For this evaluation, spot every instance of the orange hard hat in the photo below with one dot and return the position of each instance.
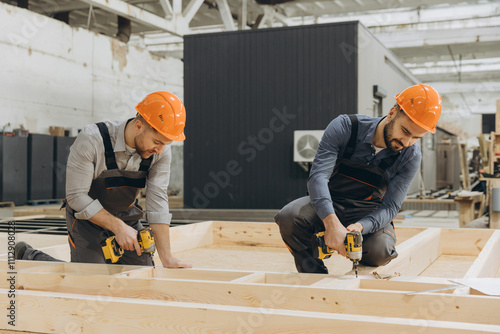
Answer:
(422, 104)
(165, 112)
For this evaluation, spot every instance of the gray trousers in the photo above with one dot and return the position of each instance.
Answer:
(84, 242)
(298, 222)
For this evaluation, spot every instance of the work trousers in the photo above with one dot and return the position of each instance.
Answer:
(85, 240)
(298, 222)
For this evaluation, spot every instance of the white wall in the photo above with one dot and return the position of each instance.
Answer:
(53, 74)
(377, 65)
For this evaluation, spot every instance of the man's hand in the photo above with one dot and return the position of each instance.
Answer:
(335, 234)
(126, 237)
(355, 227)
(173, 262)
(162, 241)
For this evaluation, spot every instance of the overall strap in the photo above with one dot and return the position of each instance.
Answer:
(349, 150)
(145, 163)
(108, 146)
(388, 161)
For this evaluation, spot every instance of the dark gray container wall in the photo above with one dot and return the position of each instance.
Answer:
(14, 169)
(245, 93)
(40, 159)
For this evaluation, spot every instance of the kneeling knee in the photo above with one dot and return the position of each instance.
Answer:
(378, 258)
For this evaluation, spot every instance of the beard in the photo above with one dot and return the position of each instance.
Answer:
(139, 148)
(390, 142)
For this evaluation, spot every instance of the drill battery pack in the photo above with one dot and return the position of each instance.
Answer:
(320, 249)
(111, 250)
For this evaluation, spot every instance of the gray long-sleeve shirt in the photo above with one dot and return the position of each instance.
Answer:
(86, 162)
(332, 146)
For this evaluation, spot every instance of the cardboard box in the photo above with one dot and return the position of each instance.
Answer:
(56, 131)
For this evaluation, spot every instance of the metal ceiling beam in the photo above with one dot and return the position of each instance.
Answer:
(396, 18)
(192, 7)
(225, 13)
(135, 14)
(167, 8)
(405, 39)
(467, 51)
(310, 7)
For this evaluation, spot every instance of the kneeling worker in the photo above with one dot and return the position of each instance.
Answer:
(359, 179)
(109, 163)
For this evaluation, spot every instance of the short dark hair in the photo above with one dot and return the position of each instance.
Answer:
(138, 117)
(398, 108)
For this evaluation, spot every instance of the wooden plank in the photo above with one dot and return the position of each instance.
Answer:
(55, 312)
(405, 233)
(467, 242)
(247, 234)
(256, 277)
(190, 274)
(415, 254)
(449, 266)
(467, 207)
(362, 302)
(191, 236)
(488, 262)
(336, 283)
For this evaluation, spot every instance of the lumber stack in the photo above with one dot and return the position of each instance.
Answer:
(234, 289)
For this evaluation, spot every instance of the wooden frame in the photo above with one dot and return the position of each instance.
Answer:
(97, 298)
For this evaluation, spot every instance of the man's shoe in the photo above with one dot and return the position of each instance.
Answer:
(20, 249)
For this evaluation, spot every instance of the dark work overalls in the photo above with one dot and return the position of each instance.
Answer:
(116, 190)
(356, 190)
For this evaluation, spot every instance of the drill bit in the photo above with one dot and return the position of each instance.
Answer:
(356, 268)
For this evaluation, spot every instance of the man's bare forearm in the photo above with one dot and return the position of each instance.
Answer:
(106, 220)
(335, 233)
(126, 236)
(161, 234)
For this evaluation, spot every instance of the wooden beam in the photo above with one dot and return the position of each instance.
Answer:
(361, 302)
(55, 312)
(488, 261)
(247, 234)
(467, 207)
(191, 236)
(468, 242)
(415, 254)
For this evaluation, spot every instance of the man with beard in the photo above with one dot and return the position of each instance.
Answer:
(359, 179)
(107, 166)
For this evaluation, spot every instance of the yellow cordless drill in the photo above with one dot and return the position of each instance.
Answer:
(113, 252)
(353, 246)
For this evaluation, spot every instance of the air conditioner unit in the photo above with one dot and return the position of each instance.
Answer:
(305, 144)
